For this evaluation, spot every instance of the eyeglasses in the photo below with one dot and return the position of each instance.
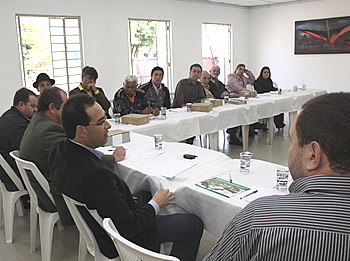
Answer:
(101, 123)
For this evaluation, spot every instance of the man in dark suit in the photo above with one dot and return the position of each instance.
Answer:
(78, 172)
(217, 88)
(44, 129)
(13, 123)
(88, 86)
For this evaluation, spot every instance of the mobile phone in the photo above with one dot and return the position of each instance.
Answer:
(190, 156)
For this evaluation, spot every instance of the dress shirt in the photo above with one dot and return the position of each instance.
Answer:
(310, 223)
(188, 92)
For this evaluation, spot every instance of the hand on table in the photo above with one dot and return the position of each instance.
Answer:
(164, 197)
(119, 153)
(156, 112)
(147, 110)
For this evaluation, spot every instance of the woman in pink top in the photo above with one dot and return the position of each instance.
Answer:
(237, 81)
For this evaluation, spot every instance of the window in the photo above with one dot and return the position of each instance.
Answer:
(51, 45)
(150, 47)
(216, 48)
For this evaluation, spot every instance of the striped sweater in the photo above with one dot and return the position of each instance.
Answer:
(310, 223)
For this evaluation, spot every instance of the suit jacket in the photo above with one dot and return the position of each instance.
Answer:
(40, 134)
(81, 175)
(216, 87)
(100, 98)
(37, 140)
(13, 123)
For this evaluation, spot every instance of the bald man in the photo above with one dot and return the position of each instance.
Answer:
(205, 76)
(217, 88)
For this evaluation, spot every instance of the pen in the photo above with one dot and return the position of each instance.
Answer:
(251, 193)
(230, 177)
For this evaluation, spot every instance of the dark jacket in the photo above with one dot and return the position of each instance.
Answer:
(151, 98)
(100, 98)
(35, 146)
(123, 105)
(81, 175)
(262, 85)
(13, 123)
(216, 87)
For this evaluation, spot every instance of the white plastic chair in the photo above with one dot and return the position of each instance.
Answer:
(47, 220)
(129, 251)
(10, 199)
(87, 241)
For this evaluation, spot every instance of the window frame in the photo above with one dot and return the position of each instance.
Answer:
(64, 18)
(169, 68)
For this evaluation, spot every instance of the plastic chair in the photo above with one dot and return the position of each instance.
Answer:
(10, 199)
(47, 220)
(129, 251)
(87, 241)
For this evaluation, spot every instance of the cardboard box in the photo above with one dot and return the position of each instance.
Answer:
(203, 107)
(116, 137)
(135, 119)
(218, 102)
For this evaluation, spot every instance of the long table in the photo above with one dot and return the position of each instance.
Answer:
(181, 125)
(215, 210)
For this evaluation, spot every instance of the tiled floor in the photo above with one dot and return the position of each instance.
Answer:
(65, 244)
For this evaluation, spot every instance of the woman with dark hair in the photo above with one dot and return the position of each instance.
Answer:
(264, 84)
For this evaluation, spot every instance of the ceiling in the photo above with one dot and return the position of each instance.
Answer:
(248, 3)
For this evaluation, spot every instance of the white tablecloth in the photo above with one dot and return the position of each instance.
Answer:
(181, 125)
(215, 210)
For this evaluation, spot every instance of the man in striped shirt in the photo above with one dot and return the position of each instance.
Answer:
(312, 222)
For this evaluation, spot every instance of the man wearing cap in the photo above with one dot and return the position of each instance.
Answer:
(42, 82)
(13, 123)
(88, 86)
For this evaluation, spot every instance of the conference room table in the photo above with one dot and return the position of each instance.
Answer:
(180, 124)
(146, 168)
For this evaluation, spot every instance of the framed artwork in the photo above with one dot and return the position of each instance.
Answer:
(322, 36)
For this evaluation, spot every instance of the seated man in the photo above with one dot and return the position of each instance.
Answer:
(95, 185)
(205, 83)
(13, 123)
(128, 99)
(42, 82)
(88, 86)
(43, 130)
(189, 90)
(156, 94)
(217, 88)
(312, 222)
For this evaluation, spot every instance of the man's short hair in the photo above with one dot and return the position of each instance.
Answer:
(50, 95)
(130, 78)
(325, 119)
(157, 68)
(74, 113)
(196, 65)
(22, 95)
(90, 71)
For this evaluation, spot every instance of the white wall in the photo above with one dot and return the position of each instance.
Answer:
(105, 35)
(271, 42)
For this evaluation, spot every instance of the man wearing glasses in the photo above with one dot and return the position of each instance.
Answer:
(100, 188)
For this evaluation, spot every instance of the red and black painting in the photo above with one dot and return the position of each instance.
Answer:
(323, 36)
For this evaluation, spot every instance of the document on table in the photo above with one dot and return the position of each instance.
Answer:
(171, 168)
(142, 153)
